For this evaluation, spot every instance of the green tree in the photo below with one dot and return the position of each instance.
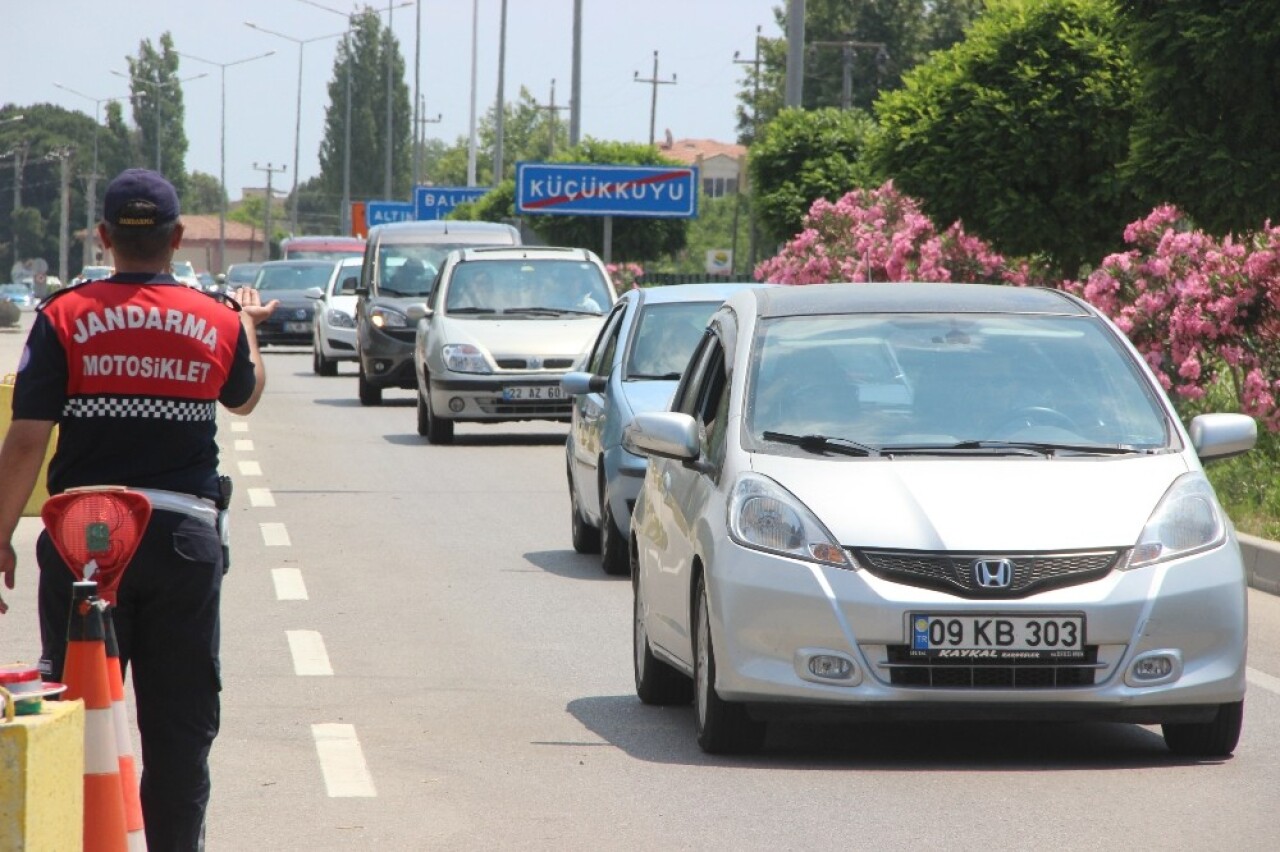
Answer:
(365, 53)
(713, 230)
(204, 194)
(526, 135)
(1207, 132)
(804, 155)
(1019, 130)
(892, 36)
(158, 109)
(638, 239)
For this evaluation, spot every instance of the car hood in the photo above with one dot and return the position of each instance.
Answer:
(289, 298)
(971, 504)
(523, 337)
(648, 395)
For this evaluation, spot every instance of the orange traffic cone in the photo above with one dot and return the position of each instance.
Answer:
(85, 673)
(124, 747)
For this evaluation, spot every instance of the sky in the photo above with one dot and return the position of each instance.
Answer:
(79, 43)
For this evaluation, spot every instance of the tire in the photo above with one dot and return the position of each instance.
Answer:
(724, 727)
(586, 538)
(436, 429)
(322, 365)
(1217, 738)
(369, 394)
(614, 557)
(656, 682)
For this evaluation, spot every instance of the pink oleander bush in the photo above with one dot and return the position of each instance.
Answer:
(882, 235)
(1204, 312)
(625, 276)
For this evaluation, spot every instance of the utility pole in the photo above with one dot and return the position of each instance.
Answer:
(500, 109)
(471, 134)
(64, 223)
(795, 54)
(655, 82)
(420, 132)
(19, 158)
(849, 53)
(575, 79)
(417, 97)
(755, 63)
(266, 235)
(552, 109)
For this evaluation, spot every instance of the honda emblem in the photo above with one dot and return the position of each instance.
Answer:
(993, 573)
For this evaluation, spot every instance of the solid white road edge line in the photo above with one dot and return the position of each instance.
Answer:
(309, 656)
(345, 773)
(289, 585)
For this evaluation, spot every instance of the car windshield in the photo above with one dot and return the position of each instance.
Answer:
(409, 270)
(93, 273)
(665, 337)
(324, 253)
(963, 383)
(527, 287)
(181, 267)
(242, 273)
(293, 276)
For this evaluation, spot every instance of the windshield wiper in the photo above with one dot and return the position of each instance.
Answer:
(553, 312)
(1028, 448)
(470, 310)
(823, 444)
(657, 377)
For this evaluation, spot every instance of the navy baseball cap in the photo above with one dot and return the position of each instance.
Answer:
(140, 197)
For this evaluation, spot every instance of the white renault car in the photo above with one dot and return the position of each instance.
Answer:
(915, 501)
(333, 331)
(499, 329)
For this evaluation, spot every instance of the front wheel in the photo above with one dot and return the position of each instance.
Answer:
(1216, 738)
(369, 394)
(724, 727)
(320, 364)
(436, 429)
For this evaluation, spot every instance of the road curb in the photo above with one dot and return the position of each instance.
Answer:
(1261, 563)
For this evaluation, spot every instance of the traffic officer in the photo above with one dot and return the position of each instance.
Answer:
(131, 369)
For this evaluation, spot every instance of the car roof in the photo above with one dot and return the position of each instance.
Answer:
(523, 253)
(711, 291)
(313, 239)
(913, 297)
(300, 262)
(432, 230)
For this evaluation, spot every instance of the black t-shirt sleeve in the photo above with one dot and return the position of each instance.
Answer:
(40, 392)
(241, 379)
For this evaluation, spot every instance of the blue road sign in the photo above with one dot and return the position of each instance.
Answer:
(437, 202)
(581, 189)
(382, 212)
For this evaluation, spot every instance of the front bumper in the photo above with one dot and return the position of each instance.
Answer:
(771, 616)
(386, 358)
(479, 398)
(338, 344)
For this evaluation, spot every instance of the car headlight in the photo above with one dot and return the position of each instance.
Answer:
(765, 516)
(465, 358)
(1185, 521)
(340, 319)
(387, 318)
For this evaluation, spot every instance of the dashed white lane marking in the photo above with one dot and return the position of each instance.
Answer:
(260, 497)
(1264, 680)
(309, 656)
(239, 426)
(342, 761)
(289, 585)
(250, 468)
(244, 445)
(275, 535)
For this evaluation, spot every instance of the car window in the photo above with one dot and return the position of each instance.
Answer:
(293, 277)
(713, 403)
(409, 269)
(665, 337)
(600, 361)
(528, 287)
(937, 379)
(686, 396)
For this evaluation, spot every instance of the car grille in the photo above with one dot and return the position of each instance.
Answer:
(534, 364)
(553, 409)
(908, 670)
(954, 572)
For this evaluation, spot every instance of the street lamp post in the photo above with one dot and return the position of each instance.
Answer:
(91, 200)
(157, 84)
(297, 130)
(222, 149)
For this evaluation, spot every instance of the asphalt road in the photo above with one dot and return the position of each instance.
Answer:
(414, 658)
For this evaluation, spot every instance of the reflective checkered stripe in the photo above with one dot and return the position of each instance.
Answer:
(146, 408)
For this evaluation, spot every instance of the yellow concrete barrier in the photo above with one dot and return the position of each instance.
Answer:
(42, 779)
(41, 492)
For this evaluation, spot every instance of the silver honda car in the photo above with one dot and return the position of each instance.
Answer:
(933, 501)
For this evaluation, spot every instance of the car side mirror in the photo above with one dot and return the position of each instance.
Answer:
(1221, 436)
(417, 311)
(313, 293)
(578, 382)
(362, 292)
(667, 434)
(350, 284)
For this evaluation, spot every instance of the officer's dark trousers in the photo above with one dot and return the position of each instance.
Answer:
(166, 621)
